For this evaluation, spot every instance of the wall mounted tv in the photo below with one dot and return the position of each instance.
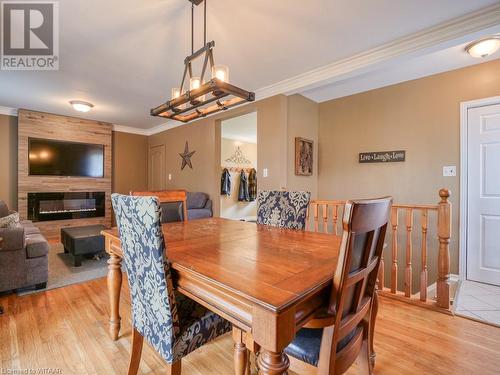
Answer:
(59, 158)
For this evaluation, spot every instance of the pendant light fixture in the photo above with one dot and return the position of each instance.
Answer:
(202, 98)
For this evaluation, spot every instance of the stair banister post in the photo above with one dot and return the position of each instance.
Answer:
(444, 234)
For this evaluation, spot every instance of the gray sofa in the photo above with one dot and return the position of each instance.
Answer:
(199, 205)
(23, 255)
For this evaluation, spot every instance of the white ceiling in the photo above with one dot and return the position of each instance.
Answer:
(242, 128)
(125, 55)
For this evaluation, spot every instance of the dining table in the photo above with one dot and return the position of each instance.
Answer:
(268, 282)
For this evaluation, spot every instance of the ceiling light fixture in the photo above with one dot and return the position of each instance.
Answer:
(188, 105)
(81, 106)
(484, 47)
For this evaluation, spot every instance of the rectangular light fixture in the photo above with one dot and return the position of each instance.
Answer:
(221, 95)
(202, 98)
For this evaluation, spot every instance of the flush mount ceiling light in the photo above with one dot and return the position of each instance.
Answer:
(202, 98)
(484, 46)
(81, 106)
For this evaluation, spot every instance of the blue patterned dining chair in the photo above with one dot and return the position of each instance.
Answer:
(342, 330)
(283, 209)
(172, 324)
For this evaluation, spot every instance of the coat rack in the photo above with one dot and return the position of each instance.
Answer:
(238, 169)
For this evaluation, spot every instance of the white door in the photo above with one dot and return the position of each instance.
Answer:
(483, 194)
(157, 172)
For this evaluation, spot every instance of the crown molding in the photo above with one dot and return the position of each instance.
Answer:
(8, 111)
(444, 33)
(130, 129)
(170, 124)
(427, 39)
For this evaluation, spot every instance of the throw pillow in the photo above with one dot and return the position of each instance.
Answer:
(9, 221)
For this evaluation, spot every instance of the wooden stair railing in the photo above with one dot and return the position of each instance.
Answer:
(326, 216)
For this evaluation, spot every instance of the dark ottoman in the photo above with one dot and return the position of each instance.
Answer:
(81, 241)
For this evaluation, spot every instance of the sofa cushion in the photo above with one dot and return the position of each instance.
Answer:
(4, 210)
(196, 200)
(26, 223)
(30, 229)
(12, 238)
(9, 221)
(36, 246)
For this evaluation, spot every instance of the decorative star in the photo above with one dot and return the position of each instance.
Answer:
(186, 157)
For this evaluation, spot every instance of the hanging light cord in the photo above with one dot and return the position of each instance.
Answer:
(205, 23)
(192, 27)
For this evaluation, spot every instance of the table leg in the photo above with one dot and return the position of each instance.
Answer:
(373, 318)
(241, 353)
(114, 288)
(273, 363)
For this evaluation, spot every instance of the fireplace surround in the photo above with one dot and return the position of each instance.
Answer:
(65, 205)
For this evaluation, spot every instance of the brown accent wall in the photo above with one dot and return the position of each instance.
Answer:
(45, 125)
(8, 160)
(130, 162)
(421, 117)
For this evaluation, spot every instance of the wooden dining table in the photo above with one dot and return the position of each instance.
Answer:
(267, 282)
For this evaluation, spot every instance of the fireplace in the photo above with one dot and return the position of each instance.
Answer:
(64, 206)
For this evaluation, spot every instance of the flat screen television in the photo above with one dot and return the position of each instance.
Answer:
(60, 158)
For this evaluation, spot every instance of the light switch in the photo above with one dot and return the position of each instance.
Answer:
(170, 177)
(264, 172)
(449, 171)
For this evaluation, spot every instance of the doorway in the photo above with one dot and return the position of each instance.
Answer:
(157, 180)
(479, 293)
(239, 167)
(482, 193)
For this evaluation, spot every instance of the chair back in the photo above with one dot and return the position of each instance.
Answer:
(283, 209)
(364, 229)
(168, 198)
(154, 312)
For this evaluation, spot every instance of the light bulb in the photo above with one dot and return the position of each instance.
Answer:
(220, 72)
(175, 93)
(194, 83)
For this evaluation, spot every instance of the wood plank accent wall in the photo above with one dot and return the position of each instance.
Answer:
(48, 126)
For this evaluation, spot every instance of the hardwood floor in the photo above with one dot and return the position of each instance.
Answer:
(66, 330)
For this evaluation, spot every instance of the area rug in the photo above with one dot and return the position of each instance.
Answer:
(63, 273)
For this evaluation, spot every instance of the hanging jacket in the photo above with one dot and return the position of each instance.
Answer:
(243, 192)
(252, 184)
(225, 183)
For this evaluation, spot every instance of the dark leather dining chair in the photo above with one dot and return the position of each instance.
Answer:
(172, 324)
(173, 204)
(283, 209)
(340, 333)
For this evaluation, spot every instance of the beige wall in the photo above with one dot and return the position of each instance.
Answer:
(130, 161)
(303, 118)
(8, 160)
(421, 117)
(230, 207)
(201, 139)
(204, 137)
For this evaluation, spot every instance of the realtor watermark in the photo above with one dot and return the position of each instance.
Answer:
(30, 35)
(37, 371)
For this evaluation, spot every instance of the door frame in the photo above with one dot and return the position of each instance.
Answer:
(464, 108)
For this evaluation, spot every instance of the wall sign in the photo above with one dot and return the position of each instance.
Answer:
(382, 156)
